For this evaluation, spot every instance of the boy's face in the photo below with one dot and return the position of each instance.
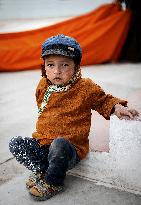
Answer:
(59, 69)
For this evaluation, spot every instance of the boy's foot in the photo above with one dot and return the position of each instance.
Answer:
(33, 180)
(43, 191)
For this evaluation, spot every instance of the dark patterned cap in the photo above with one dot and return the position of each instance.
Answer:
(62, 45)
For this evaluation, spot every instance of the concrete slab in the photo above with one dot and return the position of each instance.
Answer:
(78, 192)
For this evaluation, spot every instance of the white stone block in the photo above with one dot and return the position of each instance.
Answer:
(125, 151)
(121, 167)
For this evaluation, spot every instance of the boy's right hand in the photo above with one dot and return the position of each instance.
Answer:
(125, 113)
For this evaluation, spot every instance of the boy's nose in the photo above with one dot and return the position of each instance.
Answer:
(57, 70)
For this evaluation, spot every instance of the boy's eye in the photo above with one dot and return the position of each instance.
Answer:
(65, 65)
(50, 65)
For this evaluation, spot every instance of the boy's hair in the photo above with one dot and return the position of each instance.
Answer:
(61, 45)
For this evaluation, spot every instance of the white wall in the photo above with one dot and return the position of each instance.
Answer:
(20, 9)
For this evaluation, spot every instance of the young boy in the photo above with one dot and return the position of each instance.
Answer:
(64, 100)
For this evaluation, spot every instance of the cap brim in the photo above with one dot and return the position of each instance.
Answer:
(57, 52)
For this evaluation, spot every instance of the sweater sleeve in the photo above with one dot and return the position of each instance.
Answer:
(104, 103)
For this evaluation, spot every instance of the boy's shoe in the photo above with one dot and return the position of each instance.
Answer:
(34, 179)
(43, 191)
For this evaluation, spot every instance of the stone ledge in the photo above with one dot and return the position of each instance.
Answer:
(120, 168)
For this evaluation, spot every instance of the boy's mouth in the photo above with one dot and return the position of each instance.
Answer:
(57, 78)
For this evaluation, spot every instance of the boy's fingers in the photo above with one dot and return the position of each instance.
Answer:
(130, 115)
(127, 114)
(125, 118)
(134, 112)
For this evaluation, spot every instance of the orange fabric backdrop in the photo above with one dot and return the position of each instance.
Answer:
(101, 34)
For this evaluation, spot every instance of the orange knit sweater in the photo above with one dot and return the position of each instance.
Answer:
(68, 113)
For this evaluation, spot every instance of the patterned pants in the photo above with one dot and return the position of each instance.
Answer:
(53, 160)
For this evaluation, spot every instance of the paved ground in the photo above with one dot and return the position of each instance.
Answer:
(78, 192)
(18, 116)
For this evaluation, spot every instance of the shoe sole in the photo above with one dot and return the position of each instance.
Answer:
(44, 198)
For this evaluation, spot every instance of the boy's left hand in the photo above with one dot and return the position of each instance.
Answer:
(125, 113)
